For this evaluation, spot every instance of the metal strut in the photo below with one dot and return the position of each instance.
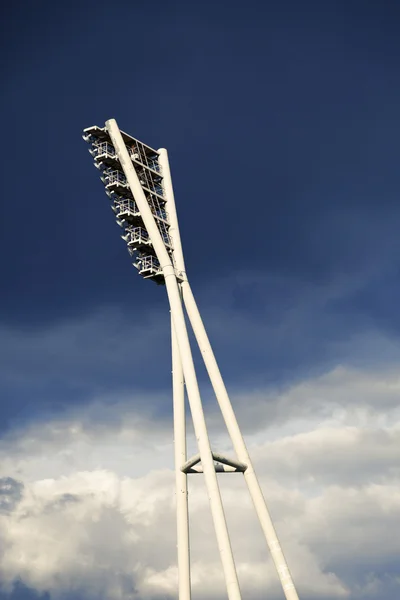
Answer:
(234, 466)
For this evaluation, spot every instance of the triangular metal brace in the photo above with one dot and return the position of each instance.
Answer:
(222, 464)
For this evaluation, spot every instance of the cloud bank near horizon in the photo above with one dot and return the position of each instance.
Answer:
(87, 508)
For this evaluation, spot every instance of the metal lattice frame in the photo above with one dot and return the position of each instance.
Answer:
(138, 182)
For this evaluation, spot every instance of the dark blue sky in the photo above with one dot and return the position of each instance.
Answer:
(281, 121)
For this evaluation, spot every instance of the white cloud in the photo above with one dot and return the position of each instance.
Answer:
(96, 516)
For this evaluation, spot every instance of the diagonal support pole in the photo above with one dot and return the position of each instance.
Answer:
(238, 442)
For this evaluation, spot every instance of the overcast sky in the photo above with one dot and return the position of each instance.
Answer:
(281, 122)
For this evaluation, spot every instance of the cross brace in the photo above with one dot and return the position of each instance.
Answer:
(228, 465)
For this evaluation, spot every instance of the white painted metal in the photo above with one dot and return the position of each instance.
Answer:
(229, 462)
(218, 469)
(171, 210)
(222, 395)
(199, 423)
(238, 442)
(182, 513)
(191, 462)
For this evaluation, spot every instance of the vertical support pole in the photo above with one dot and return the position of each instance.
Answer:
(238, 442)
(174, 232)
(199, 423)
(182, 513)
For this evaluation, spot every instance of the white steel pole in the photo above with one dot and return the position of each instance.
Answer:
(171, 210)
(238, 442)
(182, 337)
(222, 395)
(182, 514)
(179, 406)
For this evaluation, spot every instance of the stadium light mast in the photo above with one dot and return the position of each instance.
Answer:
(138, 182)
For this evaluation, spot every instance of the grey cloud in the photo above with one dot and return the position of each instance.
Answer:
(357, 526)
(352, 394)
(19, 591)
(11, 492)
(346, 456)
(293, 327)
(291, 324)
(82, 348)
(112, 531)
(293, 330)
(58, 503)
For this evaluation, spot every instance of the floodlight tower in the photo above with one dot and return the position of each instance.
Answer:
(138, 182)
